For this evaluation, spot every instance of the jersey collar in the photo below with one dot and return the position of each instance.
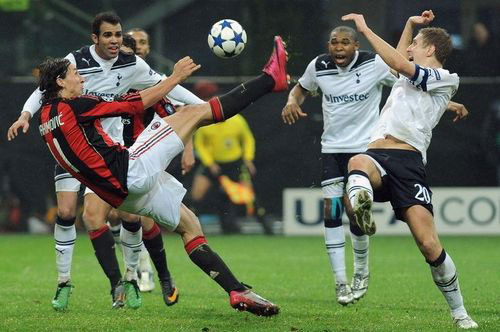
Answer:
(104, 63)
(346, 69)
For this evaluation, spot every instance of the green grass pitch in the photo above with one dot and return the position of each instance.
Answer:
(291, 271)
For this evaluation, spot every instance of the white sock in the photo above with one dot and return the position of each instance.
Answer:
(357, 182)
(144, 262)
(115, 231)
(446, 279)
(335, 248)
(360, 246)
(131, 247)
(65, 237)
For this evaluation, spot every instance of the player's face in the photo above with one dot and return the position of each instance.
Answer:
(418, 50)
(342, 48)
(72, 84)
(109, 41)
(141, 43)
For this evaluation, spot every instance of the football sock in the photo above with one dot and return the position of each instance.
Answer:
(207, 260)
(445, 277)
(144, 259)
(154, 243)
(104, 247)
(115, 230)
(236, 100)
(131, 238)
(357, 181)
(360, 244)
(335, 239)
(65, 237)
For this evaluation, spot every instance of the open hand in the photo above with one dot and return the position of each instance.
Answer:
(459, 109)
(292, 113)
(22, 123)
(358, 19)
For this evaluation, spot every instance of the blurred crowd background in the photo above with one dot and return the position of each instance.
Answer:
(463, 154)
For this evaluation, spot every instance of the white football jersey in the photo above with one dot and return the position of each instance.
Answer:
(351, 99)
(415, 106)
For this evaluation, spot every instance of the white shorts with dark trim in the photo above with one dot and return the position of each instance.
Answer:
(152, 191)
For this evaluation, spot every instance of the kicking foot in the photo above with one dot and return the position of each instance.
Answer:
(169, 291)
(359, 285)
(247, 300)
(145, 281)
(465, 323)
(276, 65)
(363, 216)
(132, 294)
(344, 294)
(60, 301)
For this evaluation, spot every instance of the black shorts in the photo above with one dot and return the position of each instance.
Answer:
(235, 170)
(404, 181)
(334, 166)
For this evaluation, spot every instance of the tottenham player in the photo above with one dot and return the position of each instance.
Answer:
(351, 82)
(393, 167)
(108, 73)
(134, 180)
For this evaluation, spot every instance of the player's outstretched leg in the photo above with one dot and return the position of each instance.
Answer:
(360, 195)
(154, 244)
(240, 295)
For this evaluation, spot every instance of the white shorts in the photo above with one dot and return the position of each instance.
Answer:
(152, 191)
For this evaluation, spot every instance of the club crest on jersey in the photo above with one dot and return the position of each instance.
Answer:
(155, 125)
(118, 77)
(357, 77)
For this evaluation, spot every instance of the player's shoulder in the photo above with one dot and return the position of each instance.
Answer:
(84, 59)
(324, 62)
(125, 60)
(84, 102)
(364, 58)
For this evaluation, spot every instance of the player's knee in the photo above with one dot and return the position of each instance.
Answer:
(358, 162)
(189, 226)
(66, 212)
(93, 220)
(430, 248)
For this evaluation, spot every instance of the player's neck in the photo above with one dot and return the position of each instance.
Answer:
(430, 62)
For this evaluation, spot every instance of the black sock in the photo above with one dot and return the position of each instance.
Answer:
(154, 243)
(236, 100)
(104, 247)
(207, 260)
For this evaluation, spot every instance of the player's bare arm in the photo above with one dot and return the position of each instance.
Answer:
(22, 122)
(460, 110)
(182, 70)
(188, 160)
(407, 35)
(292, 111)
(388, 53)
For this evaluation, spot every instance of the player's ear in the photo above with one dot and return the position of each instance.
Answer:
(356, 44)
(430, 50)
(60, 82)
(95, 38)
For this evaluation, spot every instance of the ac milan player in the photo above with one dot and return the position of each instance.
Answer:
(133, 180)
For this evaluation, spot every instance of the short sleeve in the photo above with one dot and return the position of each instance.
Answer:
(308, 79)
(144, 76)
(434, 80)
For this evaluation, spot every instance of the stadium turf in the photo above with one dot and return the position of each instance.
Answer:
(291, 271)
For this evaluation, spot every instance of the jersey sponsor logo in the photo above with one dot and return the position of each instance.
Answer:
(50, 125)
(104, 95)
(126, 121)
(346, 98)
(155, 125)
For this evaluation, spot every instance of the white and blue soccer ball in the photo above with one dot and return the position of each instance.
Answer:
(227, 38)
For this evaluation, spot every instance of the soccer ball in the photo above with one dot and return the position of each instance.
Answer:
(227, 38)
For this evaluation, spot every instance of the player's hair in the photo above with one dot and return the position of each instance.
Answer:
(346, 29)
(108, 17)
(440, 39)
(137, 30)
(50, 70)
(129, 42)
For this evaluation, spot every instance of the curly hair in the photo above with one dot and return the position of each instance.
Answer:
(50, 70)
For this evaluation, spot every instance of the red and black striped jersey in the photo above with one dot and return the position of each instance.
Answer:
(133, 125)
(73, 132)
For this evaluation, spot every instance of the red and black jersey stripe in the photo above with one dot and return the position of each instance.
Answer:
(133, 125)
(73, 132)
